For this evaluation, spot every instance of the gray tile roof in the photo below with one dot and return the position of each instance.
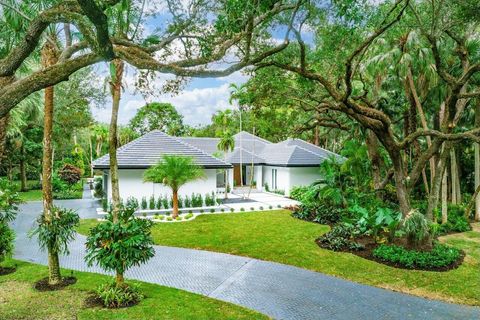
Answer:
(149, 149)
(208, 145)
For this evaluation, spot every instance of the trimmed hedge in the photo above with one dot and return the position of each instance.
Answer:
(440, 256)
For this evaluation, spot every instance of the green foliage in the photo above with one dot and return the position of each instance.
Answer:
(417, 229)
(98, 188)
(7, 238)
(197, 200)
(9, 201)
(456, 220)
(151, 202)
(188, 216)
(187, 202)
(298, 192)
(210, 199)
(373, 223)
(174, 171)
(144, 203)
(113, 296)
(118, 246)
(56, 230)
(158, 203)
(340, 238)
(165, 203)
(157, 116)
(440, 256)
(67, 194)
(132, 202)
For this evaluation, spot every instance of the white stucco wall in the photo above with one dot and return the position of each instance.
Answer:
(283, 177)
(287, 178)
(303, 176)
(132, 185)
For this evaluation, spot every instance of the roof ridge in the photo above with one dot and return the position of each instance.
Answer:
(313, 145)
(259, 138)
(195, 148)
(318, 155)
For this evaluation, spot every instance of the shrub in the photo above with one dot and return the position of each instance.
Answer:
(161, 217)
(202, 211)
(7, 238)
(279, 206)
(144, 203)
(9, 201)
(158, 205)
(98, 188)
(210, 199)
(190, 211)
(212, 210)
(67, 194)
(113, 296)
(417, 229)
(180, 202)
(169, 219)
(298, 192)
(260, 208)
(58, 184)
(440, 256)
(321, 213)
(222, 210)
(70, 174)
(151, 202)
(56, 231)
(242, 209)
(197, 200)
(252, 208)
(178, 218)
(232, 210)
(267, 188)
(105, 205)
(456, 221)
(270, 207)
(129, 243)
(187, 202)
(132, 203)
(188, 216)
(340, 238)
(165, 203)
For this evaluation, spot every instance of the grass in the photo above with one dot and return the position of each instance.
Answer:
(276, 236)
(31, 195)
(18, 300)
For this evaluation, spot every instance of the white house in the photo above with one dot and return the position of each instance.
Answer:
(276, 166)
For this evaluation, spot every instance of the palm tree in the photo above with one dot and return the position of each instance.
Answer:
(227, 143)
(174, 171)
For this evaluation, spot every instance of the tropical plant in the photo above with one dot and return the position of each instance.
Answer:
(54, 232)
(174, 171)
(417, 229)
(121, 243)
(144, 203)
(114, 296)
(151, 202)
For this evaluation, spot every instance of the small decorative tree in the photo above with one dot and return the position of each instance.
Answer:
(9, 201)
(118, 246)
(54, 233)
(174, 171)
(70, 174)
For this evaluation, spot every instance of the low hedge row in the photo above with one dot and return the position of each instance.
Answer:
(440, 256)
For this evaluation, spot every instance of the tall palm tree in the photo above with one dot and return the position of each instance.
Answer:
(174, 171)
(227, 143)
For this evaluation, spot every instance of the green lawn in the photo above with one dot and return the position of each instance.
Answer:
(18, 300)
(276, 236)
(31, 195)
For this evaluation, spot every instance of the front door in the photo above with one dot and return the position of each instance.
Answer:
(236, 175)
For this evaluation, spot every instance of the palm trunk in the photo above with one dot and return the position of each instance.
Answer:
(375, 159)
(119, 279)
(115, 86)
(49, 58)
(175, 203)
(437, 183)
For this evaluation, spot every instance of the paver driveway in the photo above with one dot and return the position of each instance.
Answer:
(280, 291)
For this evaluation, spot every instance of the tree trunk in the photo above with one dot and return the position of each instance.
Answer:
(3, 135)
(453, 176)
(115, 87)
(317, 136)
(49, 58)
(477, 162)
(175, 203)
(375, 159)
(23, 171)
(437, 183)
(445, 196)
(400, 186)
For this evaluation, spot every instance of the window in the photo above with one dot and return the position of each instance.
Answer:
(274, 179)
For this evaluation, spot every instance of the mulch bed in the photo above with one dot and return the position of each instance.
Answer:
(370, 245)
(43, 285)
(93, 301)
(7, 270)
